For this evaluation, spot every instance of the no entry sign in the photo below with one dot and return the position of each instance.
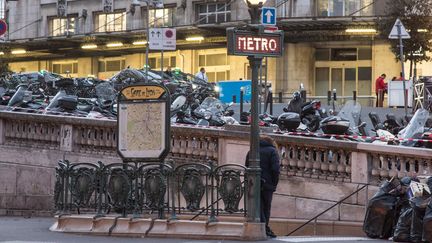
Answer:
(3, 27)
(247, 43)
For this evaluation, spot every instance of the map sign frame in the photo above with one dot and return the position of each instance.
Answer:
(143, 123)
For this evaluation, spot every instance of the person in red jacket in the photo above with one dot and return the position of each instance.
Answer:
(380, 85)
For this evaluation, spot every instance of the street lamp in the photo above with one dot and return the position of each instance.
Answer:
(254, 10)
(254, 170)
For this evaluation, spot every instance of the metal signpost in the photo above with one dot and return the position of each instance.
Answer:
(143, 127)
(254, 43)
(162, 39)
(399, 32)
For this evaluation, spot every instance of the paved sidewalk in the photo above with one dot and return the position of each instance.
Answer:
(35, 230)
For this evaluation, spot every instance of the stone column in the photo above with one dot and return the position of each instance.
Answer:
(359, 168)
(2, 131)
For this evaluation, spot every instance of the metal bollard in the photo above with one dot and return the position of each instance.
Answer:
(280, 97)
(270, 95)
(303, 95)
(329, 97)
(334, 95)
(355, 95)
(241, 101)
(234, 99)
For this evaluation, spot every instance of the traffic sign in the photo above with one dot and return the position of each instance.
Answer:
(247, 43)
(162, 39)
(3, 27)
(268, 16)
(271, 29)
(394, 33)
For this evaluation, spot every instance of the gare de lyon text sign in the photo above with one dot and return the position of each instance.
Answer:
(248, 43)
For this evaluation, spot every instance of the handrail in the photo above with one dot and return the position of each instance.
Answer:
(337, 203)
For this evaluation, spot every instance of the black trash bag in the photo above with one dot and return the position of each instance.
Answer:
(427, 224)
(402, 231)
(382, 211)
(419, 205)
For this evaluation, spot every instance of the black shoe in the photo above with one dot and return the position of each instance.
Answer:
(270, 233)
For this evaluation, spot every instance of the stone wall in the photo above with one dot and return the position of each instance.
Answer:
(311, 179)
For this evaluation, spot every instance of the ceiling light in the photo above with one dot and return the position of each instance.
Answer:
(140, 42)
(89, 46)
(18, 51)
(114, 44)
(195, 38)
(422, 30)
(360, 30)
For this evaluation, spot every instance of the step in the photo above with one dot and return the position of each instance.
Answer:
(283, 227)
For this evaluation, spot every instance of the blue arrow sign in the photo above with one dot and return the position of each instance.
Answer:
(268, 16)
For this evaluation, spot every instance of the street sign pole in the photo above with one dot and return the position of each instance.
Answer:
(401, 55)
(147, 39)
(399, 32)
(252, 41)
(254, 156)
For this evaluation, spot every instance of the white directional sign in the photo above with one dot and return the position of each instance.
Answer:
(162, 39)
(268, 16)
(394, 33)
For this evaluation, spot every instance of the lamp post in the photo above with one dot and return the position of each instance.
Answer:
(254, 170)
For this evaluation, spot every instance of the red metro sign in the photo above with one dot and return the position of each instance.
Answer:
(244, 43)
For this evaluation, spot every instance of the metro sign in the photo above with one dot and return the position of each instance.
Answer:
(247, 43)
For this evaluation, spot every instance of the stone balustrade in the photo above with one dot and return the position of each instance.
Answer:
(315, 172)
(300, 156)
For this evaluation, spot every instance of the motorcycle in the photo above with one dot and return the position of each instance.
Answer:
(310, 112)
(347, 122)
(211, 110)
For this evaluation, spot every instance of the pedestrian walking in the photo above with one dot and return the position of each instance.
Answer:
(380, 89)
(202, 74)
(270, 170)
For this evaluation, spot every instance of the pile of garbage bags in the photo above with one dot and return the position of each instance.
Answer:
(401, 210)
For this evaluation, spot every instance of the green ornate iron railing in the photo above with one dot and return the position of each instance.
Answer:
(149, 188)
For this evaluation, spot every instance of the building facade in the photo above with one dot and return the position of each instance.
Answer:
(329, 44)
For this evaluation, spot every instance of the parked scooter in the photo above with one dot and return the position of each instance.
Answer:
(347, 122)
(310, 112)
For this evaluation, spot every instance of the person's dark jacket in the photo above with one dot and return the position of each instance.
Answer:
(270, 166)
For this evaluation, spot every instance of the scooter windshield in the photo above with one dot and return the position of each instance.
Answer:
(416, 125)
(210, 104)
(351, 111)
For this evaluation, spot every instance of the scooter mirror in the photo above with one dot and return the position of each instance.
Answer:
(363, 124)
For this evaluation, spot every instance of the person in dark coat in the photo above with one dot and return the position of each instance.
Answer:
(270, 170)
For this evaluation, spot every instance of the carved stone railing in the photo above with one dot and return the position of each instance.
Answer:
(322, 159)
(314, 158)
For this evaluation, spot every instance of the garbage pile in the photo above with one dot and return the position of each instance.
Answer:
(401, 210)
(49, 93)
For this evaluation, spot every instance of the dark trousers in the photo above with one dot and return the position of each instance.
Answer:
(379, 99)
(266, 200)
